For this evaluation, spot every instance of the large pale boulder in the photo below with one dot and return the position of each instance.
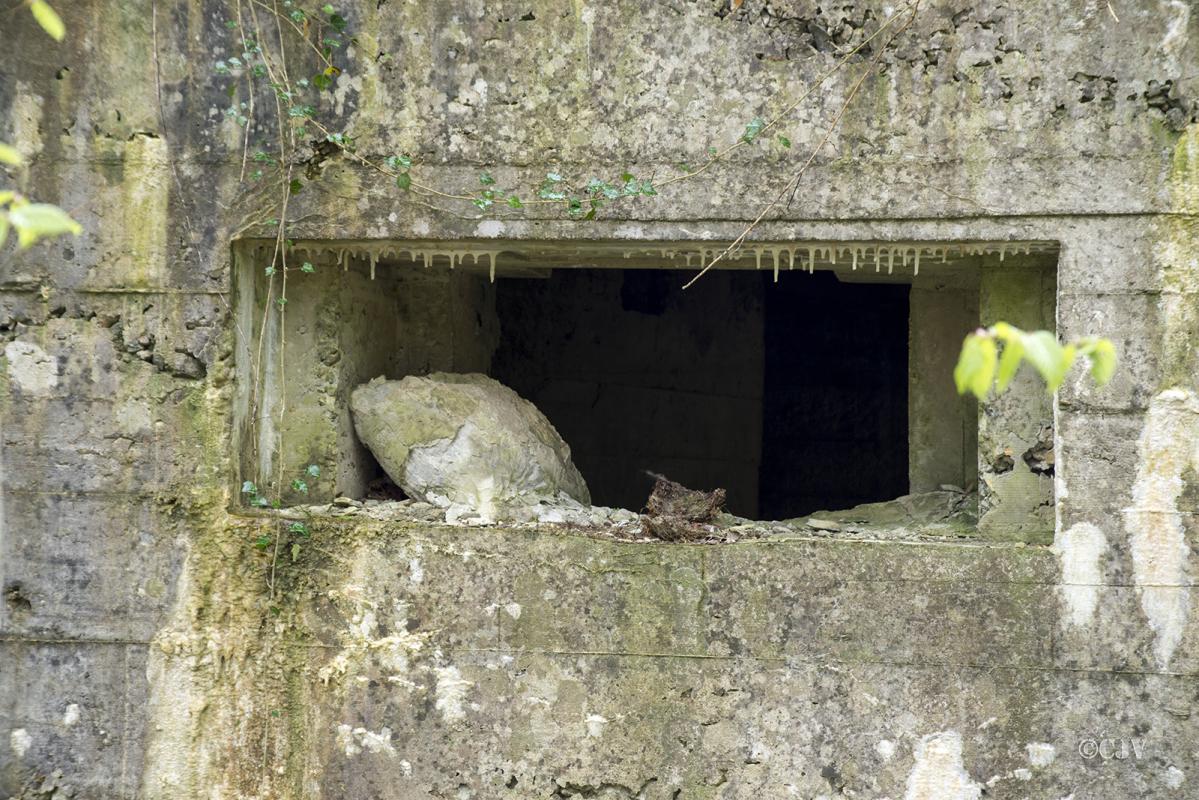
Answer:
(466, 443)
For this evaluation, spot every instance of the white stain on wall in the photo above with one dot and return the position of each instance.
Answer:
(595, 725)
(1080, 551)
(357, 740)
(1041, 754)
(451, 693)
(1169, 443)
(30, 368)
(20, 741)
(939, 773)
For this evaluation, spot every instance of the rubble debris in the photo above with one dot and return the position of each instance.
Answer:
(465, 443)
(675, 513)
(945, 511)
(1039, 457)
(1003, 461)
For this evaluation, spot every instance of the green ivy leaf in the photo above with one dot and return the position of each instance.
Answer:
(314, 470)
(48, 18)
(404, 181)
(784, 141)
(322, 81)
(34, 221)
(249, 488)
(753, 128)
(1101, 354)
(300, 486)
(976, 365)
(262, 542)
(307, 267)
(1053, 361)
(486, 179)
(296, 186)
(1009, 361)
(553, 177)
(269, 271)
(328, 8)
(514, 202)
(9, 155)
(338, 22)
(648, 189)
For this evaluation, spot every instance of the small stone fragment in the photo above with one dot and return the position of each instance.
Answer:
(823, 524)
(346, 502)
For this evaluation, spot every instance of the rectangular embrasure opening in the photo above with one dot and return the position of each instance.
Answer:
(803, 378)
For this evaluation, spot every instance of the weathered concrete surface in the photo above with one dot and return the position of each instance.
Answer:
(131, 594)
(428, 662)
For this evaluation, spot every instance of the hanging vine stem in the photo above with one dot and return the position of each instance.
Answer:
(795, 179)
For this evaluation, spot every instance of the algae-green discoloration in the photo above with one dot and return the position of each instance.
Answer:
(1178, 260)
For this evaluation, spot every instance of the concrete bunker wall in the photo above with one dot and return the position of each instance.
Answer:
(150, 650)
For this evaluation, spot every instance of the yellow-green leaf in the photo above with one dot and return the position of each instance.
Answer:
(1009, 361)
(9, 155)
(1042, 350)
(1102, 355)
(975, 369)
(49, 20)
(36, 220)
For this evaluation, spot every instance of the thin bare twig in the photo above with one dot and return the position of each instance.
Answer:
(794, 181)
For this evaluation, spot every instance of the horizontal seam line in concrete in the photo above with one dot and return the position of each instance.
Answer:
(819, 662)
(11, 638)
(682, 656)
(733, 221)
(79, 492)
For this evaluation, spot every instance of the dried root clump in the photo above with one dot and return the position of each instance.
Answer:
(675, 513)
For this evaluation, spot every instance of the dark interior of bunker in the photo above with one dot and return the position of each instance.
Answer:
(792, 395)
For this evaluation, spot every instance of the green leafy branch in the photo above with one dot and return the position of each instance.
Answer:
(991, 356)
(33, 221)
